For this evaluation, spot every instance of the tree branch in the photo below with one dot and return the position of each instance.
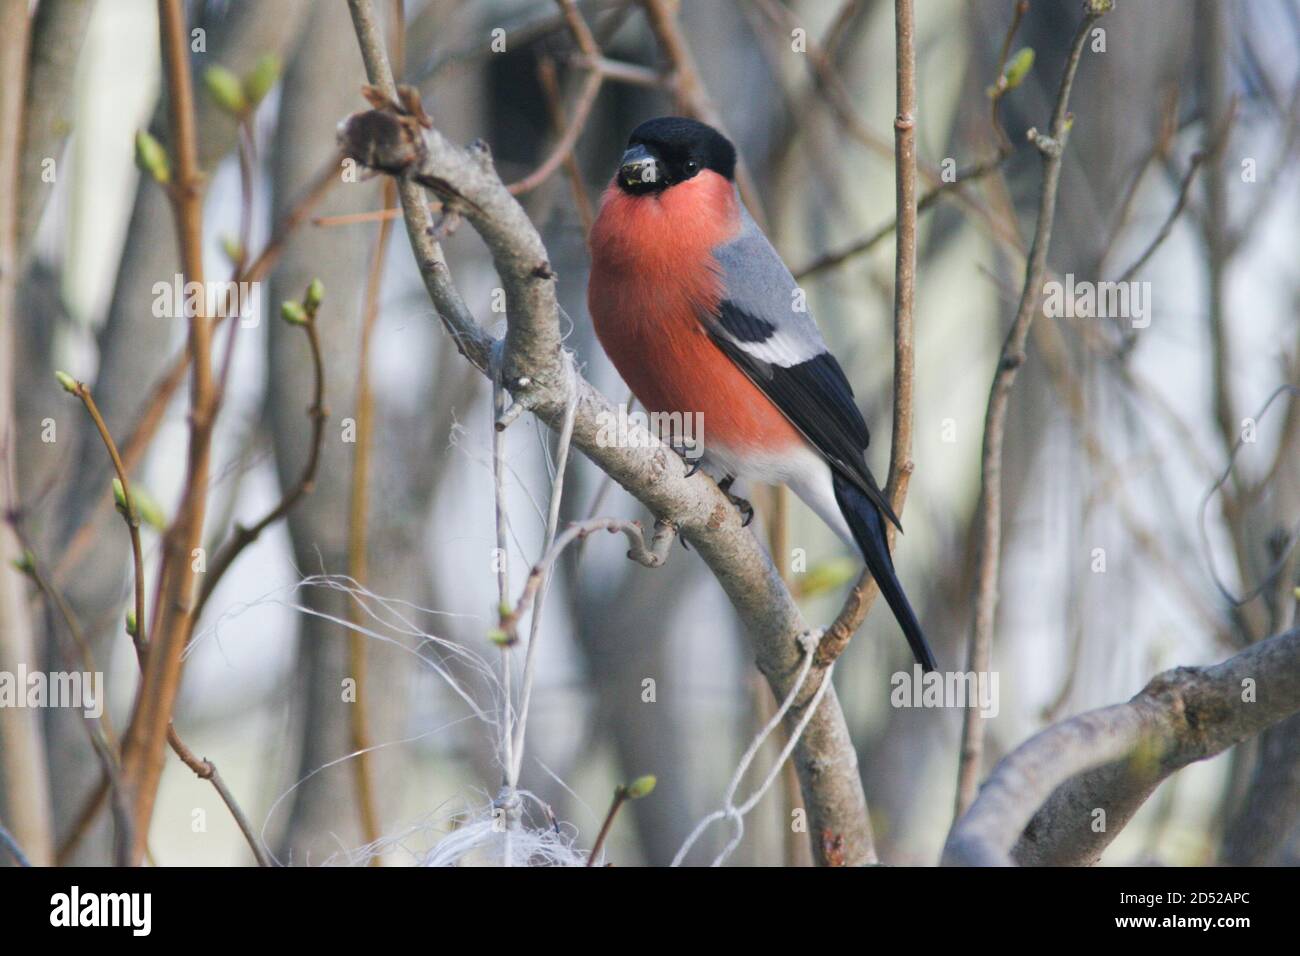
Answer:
(863, 594)
(1051, 147)
(245, 536)
(143, 752)
(58, 32)
(1110, 760)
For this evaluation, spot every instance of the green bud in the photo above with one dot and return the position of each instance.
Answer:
(827, 576)
(147, 507)
(499, 637)
(226, 90)
(293, 312)
(314, 296)
(641, 787)
(68, 382)
(119, 495)
(27, 563)
(233, 249)
(1018, 68)
(261, 78)
(131, 627)
(152, 158)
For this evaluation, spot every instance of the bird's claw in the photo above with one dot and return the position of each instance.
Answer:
(742, 504)
(745, 508)
(692, 461)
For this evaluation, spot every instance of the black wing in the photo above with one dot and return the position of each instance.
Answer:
(813, 394)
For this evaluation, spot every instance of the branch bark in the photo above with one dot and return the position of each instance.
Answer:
(23, 766)
(1040, 806)
(534, 369)
(58, 32)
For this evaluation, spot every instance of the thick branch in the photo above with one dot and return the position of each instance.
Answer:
(1112, 759)
(58, 32)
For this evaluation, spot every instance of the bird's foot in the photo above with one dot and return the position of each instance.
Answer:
(742, 504)
(690, 456)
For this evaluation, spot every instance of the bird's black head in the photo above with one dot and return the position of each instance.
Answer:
(665, 151)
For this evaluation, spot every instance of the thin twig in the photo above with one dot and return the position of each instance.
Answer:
(689, 89)
(150, 418)
(970, 174)
(358, 534)
(650, 554)
(859, 601)
(546, 76)
(142, 761)
(245, 536)
(1280, 560)
(563, 149)
(1051, 148)
(132, 516)
(11, 845)
(830, 260)
(1184, 191)
(102, 738)
(203, 768)
(1000, 87)
(620, 798)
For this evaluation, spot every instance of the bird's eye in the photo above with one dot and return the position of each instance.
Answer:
(691, 166)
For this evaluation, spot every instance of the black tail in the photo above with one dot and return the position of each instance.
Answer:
(868, 527)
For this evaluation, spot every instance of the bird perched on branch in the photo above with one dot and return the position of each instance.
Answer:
(701, 317)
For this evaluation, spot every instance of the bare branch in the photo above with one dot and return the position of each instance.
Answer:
(160, 395)
(1051, 147)
(1110, 760)
(652, 555)
(245, 536)
(142, 759)
(860, 598)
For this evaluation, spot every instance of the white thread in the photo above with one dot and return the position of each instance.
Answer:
(730, 811)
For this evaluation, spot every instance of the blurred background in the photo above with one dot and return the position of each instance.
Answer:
(1121, 558)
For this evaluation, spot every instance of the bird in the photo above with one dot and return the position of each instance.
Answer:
(700, 316)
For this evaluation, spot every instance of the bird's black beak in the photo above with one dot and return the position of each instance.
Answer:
(639, 168)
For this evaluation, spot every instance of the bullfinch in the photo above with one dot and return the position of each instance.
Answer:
(701, 317)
